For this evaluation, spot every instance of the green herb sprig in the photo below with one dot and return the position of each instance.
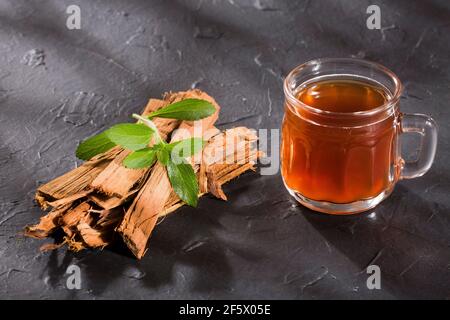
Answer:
(137, 136)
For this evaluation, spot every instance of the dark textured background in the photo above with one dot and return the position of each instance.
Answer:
(59, 86)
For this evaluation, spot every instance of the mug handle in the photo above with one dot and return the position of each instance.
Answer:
(426, 127)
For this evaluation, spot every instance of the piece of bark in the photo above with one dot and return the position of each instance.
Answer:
(76, 180)
(95, 232)
(199, 163)
(109, 219)
(230, 147)
(214, 187)
(107, 201)
(202, 178)
(237, 172)
(92, 237)
(113, 201)
(235, 146)
(72, 217)
(47, 224)
(70, 199)
(141, 217)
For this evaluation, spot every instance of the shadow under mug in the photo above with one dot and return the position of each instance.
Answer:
(348, 162)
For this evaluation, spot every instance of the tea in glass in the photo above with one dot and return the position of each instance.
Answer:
(340, 149)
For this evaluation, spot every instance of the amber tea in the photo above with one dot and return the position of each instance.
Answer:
(341, 135)
(338, 164)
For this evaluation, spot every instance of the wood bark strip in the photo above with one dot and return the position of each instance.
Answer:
(47, 223)
(98, 233)
(142, 215)
(92, 237)
(74, 181)
(214, 187)
(108, 219)
(70, 199)
(72, 217)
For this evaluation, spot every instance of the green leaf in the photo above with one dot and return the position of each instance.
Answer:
(184, 182)
(189, 109)
(140, 159)
(185, 148)
(163, 155)
(93, 146)
(130, 136)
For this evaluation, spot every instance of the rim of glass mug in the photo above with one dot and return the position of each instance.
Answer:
(291, 84)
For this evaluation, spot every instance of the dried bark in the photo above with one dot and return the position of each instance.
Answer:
(74, 181)
(72, 217)
(89, 203)
(47, 223)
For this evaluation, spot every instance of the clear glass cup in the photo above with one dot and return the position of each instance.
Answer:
(348, 162)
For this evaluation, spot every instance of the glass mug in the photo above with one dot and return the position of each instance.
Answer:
(341, 162)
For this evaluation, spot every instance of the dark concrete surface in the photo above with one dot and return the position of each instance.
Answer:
(58, 86)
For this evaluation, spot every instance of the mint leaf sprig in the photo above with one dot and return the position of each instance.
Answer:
(137, 136)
